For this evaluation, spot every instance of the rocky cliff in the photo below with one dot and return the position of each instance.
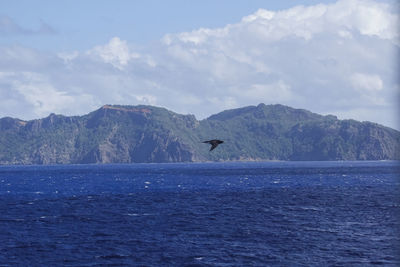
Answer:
(125, 134)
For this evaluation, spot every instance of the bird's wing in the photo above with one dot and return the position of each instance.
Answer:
(214, 145)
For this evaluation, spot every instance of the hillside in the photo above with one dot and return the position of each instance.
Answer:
(125, 134)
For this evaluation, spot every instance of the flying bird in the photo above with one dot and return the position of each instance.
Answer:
(214, 143)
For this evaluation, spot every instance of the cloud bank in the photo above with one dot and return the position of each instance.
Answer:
(339, 58)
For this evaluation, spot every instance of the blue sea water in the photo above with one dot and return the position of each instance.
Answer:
(201, 214)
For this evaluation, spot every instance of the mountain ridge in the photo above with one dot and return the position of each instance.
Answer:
(143, 133)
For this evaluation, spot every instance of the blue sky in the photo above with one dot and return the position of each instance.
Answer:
(83, 24)
(200, 57)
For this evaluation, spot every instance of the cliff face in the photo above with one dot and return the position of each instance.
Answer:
(112, 134)
(125, 134)
(349, 140)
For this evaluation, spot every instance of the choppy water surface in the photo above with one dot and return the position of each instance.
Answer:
(201, 214)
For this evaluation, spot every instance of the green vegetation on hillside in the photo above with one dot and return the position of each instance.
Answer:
(124, 134)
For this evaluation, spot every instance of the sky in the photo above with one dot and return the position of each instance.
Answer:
(201, 57)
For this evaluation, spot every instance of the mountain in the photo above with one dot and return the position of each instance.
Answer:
(125, 134)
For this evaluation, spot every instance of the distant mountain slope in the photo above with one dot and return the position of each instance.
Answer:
(125, 134)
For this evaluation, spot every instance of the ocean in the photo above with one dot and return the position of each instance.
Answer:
(201, 214)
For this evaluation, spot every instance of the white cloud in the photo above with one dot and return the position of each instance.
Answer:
(366, 17)
(369, 87)
(367, 82)
(302, 56)
(335, 58)
(68, 56)
(35, 93)
(116, 52)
